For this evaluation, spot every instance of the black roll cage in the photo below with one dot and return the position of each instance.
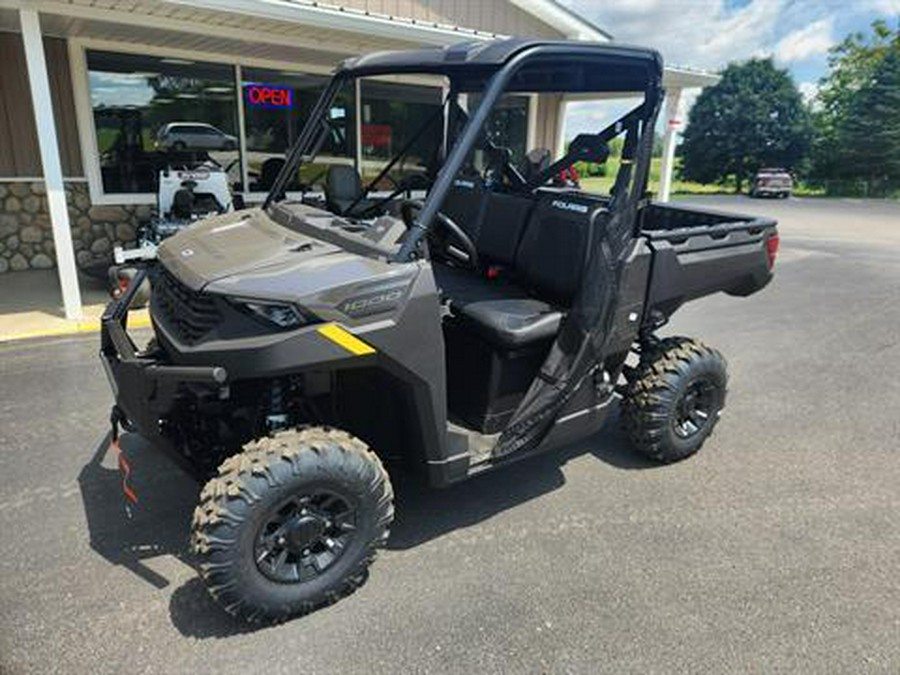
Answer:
(498, 76)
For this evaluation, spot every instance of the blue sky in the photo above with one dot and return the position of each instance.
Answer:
(710, 33)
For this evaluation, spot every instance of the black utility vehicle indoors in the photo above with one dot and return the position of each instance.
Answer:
(300, 344)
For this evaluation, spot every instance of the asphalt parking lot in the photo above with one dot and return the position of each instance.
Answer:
(776, 549)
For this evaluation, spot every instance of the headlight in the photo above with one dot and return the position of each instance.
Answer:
(283, 315)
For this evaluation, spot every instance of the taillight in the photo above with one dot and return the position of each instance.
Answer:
(772, 248)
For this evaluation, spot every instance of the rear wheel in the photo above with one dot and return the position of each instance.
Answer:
(674, 398)
(291, 523)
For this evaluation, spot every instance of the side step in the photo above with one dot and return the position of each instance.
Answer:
(478, 445)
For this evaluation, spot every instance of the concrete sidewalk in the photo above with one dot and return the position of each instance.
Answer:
(31, 306)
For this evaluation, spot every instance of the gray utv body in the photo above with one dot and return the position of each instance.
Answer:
(450, 369)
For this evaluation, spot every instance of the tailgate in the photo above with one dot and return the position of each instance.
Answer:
(699, 260)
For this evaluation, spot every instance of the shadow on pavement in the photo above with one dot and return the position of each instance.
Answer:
(423, 513)
(160, 524)
(195, 614)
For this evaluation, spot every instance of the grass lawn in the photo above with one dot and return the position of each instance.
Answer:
(602, 184)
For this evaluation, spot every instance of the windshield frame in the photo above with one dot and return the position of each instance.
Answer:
(498, 83)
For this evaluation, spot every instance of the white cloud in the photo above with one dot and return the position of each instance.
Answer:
(591, 116)
(886, 8)
(711, 33)
(809, 91)
(698, 33)
(813, 40)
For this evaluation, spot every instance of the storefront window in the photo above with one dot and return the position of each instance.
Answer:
(506, 129)
(398, 116)
(277, 105)
(151, 113)
(507, 125)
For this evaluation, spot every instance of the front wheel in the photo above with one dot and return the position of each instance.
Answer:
(674, 398)
(291, 523)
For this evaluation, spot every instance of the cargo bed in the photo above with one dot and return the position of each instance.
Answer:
(698, 252)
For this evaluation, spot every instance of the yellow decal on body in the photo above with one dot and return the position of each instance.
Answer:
(346, 340)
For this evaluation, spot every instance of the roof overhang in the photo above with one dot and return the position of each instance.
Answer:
(567, 22)
(319, 15)
(303, 32)
(679, 77)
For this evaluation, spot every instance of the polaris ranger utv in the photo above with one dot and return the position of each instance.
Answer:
(299, 344)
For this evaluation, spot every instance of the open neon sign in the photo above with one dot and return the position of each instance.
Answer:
(262, 96)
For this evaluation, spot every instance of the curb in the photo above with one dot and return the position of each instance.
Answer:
(73, 328)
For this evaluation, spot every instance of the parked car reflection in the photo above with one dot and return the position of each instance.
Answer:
(194, 136)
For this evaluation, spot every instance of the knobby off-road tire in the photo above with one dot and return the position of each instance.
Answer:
(673, 398)
(317, 500)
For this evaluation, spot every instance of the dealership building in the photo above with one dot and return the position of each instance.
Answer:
(93, 93)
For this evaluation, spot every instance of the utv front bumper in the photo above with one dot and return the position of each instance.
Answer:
(143, 383)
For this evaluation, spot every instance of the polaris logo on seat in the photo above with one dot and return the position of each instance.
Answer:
(569, 206)
(464, 184)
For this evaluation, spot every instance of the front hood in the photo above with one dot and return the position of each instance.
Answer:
(236, 243)
(249, 255)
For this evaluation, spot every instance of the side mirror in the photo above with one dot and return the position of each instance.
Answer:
(588, 148)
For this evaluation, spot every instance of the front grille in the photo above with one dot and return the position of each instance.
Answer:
(187, 313)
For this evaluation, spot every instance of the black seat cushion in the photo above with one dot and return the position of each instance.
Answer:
(342, 188)
(513, 323)
(497, 310)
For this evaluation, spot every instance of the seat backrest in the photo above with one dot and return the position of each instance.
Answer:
(551, 257)
(463, 204)
(342, 185)
(269, 172)
(503, 221)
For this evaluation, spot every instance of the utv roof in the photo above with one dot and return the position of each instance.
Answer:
(562, 66)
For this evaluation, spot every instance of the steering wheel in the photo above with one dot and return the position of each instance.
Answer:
(455, 232)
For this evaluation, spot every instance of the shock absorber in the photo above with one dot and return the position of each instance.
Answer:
(277, 417)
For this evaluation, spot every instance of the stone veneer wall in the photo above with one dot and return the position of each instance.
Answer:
(26, 238)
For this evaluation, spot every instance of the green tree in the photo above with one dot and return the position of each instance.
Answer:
(869, 135)
(855, 125)
(754, 117)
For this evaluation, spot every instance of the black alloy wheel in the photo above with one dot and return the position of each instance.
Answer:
(305, 535)
(673, 398)
(695, 408)
(291, 523)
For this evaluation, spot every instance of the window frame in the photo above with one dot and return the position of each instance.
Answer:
(87, 132)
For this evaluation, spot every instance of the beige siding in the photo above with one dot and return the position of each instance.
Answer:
(18, 141)
(547, 121)
(19, 153)
(63, 106)
(493, 16)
